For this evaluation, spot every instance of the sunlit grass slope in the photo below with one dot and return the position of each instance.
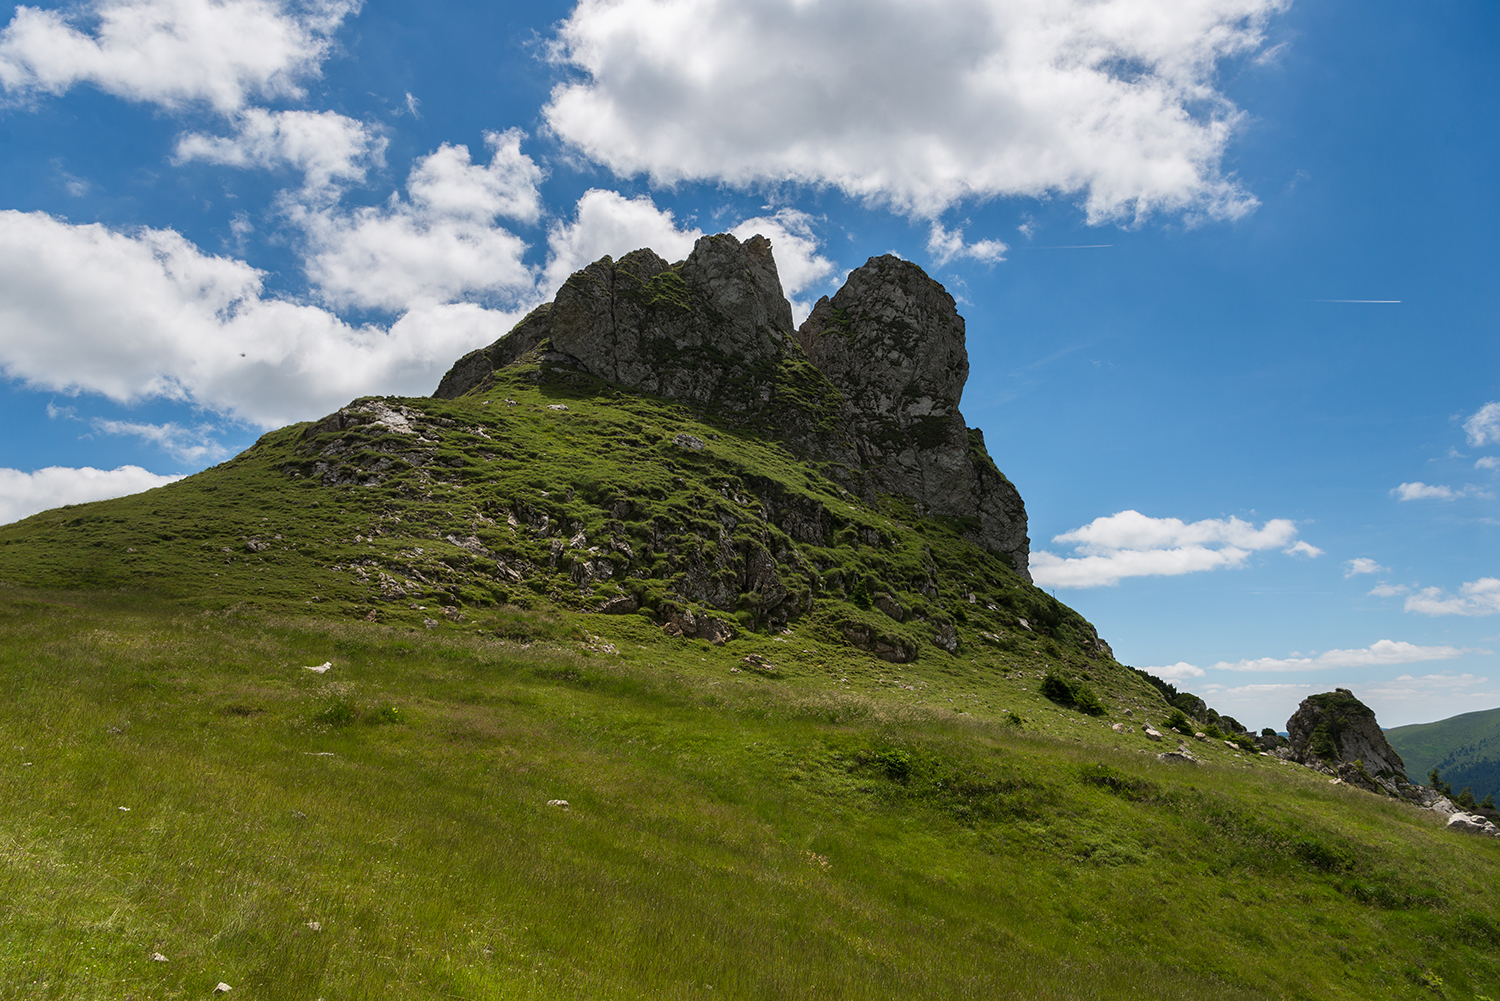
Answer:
(383, 830)
(785, 815)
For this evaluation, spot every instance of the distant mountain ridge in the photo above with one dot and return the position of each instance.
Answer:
(1465, 749)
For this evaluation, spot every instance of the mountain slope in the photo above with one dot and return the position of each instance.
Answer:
(1465, 750)
(304, 722)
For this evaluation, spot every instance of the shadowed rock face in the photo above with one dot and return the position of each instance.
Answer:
(876, 408)
(1339, 732)
(892, 341)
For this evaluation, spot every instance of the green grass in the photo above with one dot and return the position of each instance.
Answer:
(729, 834)
(783, 816)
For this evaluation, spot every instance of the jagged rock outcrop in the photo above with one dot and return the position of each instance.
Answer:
(892, 341)
(868, 388)
(1337, 733)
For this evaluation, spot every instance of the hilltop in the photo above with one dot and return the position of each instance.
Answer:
(666, 651)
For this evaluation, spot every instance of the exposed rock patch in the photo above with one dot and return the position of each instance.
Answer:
(1338, 732)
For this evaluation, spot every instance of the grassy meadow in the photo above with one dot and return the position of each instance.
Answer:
(846, 828)
(860, 794)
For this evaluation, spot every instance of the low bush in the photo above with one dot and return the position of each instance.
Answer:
(1072, 693)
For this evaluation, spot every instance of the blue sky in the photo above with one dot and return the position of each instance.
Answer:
(1228, 265)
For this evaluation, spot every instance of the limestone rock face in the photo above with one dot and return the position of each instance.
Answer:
(868, 387)
(892, 341)
(1339, 732)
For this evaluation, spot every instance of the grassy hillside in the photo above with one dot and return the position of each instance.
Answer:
(176, 782)
(854, 789)
(1465, 749)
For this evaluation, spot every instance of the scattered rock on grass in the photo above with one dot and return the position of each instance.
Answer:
(561, 804)
(1151, 732)
(1177, 756)
(321, 668)
(756, 662)
(223, 988)
(1473, 823)
(1118, 728)
(687, 441)
(157, 957)
(314, 926)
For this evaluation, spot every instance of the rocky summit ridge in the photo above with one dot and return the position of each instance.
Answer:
(867, 388)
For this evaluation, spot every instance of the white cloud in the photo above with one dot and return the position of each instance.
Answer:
(147, 314)
(1176, 672)
(1261, 689)
(1361, 565)
(1300, 548)
(606, 222)
(24, 494)
(1424, 491)
(330, 150)
(1487, 462)
(1377, 654)
(1421, 491)
(1130, 544)
(1476, 597)
(222, 53)
(944, 245)
(1484, 427)
(1387, 590)
(439, 244)
(183, 444)
(918, 105)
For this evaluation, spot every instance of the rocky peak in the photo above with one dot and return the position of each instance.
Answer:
(1337, 733)
(891, 339)
(893, 343)
(877, 408)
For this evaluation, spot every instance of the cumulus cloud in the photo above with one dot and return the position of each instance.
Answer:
(438, 244)
(916, 105)
(24, 494)
(1301, 548)
(1362, 565)
(606, 222)
(1484, 427)
(147, 314)
(1487, 462)
(945, 245)
(1176, 672)
(331, 150)
(182, 443)
(1380, 653)
(223, 53)
(1476, 597)
(1130, 544)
